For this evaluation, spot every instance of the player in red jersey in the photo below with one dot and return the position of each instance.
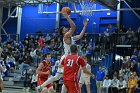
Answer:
(72, 63)
(43, 72)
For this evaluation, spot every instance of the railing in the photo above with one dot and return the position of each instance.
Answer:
(5, 37)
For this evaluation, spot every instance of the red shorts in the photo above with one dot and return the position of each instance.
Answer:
(72, 86)
(41, 81)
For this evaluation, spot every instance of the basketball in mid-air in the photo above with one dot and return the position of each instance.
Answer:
(66, 9)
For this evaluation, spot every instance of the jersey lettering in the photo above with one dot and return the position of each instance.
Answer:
(70, 63)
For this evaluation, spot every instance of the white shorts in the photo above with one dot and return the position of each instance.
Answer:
(1, 77)
(84, 80)
(61, 70)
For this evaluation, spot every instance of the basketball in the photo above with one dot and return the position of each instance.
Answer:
(66, 9)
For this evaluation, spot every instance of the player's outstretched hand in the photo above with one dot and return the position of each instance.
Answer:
(65, 14)
(86, 22)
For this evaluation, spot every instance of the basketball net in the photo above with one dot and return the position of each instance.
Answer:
(42, 8)
(87, 7)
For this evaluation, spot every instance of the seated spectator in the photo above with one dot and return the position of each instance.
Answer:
(114, 85)
(24, 65)
(33, 56)
(106, 84)
(45, 50)
(133, 66)
(132, 83)
(122, 71)
(137, 90)
(12, 61)
(122, 85)
(135, 75)
(41, 41)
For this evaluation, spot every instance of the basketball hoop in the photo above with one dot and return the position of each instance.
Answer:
(87, 7)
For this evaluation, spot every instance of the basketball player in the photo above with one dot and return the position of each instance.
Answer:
(85, 78)
(67, 41)
(43, 72)
(72, 63)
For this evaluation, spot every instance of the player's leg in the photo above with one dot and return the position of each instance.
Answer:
(44, 90)
(88, 88)
(52, 79)
(51, 90)
(80, 87)
(81, 82)
(87, 82)
(72, 86)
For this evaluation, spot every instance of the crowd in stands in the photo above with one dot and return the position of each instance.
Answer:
(29, 53)
(123, 80)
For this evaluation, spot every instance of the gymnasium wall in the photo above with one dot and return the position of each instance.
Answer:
(10, 26)
(128, 18)
(32, 21)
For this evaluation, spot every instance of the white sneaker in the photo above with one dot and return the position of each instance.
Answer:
(38, 89)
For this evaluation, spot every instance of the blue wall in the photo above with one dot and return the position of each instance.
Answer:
(10, 26)
(128, 18)
(32, 21)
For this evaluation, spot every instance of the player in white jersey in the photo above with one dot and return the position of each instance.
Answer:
(68, 40)
(84, 78)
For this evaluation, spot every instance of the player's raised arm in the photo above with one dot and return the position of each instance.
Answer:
(72, 25)
(77, 37)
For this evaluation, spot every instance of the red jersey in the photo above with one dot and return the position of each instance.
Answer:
(71, 65)
(45, 68)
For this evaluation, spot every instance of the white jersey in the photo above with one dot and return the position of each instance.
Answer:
(67, 46)
(83, 74)
(66, 52)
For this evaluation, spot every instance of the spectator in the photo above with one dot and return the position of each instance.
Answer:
(137, 90)
(99, 79)
(122, 71)
(47, 39)
(133, 66)
(26, 37)
(45, 50)
(84, 45)
(114, 85)
(123, 29)
(33, 55)
(41, 41)
(106, 84)
(21, 46)
(132, 83)
(122, 85)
